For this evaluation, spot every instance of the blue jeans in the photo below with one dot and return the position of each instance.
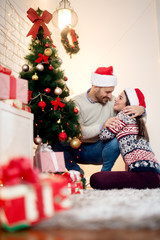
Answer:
(101, 152)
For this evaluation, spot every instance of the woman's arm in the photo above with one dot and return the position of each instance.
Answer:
(115, 125)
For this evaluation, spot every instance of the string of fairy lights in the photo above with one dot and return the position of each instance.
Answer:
(13, 39)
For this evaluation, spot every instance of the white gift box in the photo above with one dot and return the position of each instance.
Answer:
(16, 133)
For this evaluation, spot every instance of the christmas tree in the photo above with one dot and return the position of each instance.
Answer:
(55, 117)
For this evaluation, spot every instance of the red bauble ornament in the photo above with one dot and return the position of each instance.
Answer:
(42, 104)
(65, 78)
(50, 67)
(47, 45)
(75, 110)
(47, 90)
(62, 136)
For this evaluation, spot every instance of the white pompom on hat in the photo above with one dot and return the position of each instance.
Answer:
(103, 77)
(135, 97)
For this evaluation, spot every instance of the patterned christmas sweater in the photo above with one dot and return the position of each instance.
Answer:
(137, 154)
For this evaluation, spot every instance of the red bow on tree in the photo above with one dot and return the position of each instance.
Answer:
(42, 58)
(39, 21)
(57, 103)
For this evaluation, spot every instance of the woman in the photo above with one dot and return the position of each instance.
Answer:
(142, 168)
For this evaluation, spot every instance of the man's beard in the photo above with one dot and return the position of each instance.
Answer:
(100, 100)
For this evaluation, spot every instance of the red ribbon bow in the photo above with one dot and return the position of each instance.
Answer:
(57, 103)
(73, 35)
(17, 171)
(42, 58)
(39, 20)
(5, 70)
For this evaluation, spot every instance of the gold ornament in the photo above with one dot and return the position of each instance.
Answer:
(35, 77)
(59, 121)
(58, 91)
(29, 48)
(40, 67)
(48, 52)
(75, 143)
(37, 41)
(37, 140)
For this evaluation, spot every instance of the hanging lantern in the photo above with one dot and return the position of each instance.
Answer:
(42, 104)
(64, 15)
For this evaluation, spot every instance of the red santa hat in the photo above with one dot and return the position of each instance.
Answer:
(103, 77)
(135, 97)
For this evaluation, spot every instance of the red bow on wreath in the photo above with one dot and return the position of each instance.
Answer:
(57, 103)
(73, 35)
(42, 58)
(39, 20)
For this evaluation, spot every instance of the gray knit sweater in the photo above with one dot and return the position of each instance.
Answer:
(92, 116)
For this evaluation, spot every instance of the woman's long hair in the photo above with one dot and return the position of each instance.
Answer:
(142, 130)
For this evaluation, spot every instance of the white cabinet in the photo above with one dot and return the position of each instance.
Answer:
(16, 133)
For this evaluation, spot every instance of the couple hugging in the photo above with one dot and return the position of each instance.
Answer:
(111, 126)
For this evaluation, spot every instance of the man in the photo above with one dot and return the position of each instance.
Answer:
(95, 108)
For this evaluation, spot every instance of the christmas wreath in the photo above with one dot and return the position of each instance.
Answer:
(70, 49)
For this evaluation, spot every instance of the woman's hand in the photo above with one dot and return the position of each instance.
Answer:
(111, 122)
(133, 110)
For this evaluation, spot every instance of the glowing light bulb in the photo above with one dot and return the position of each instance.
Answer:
(64, 18)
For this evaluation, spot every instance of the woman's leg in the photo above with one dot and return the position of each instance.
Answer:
(119, 180)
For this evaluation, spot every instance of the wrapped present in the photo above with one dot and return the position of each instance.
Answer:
(17, 104)
(38, 196)
(46, 160)
(75, 183)
(75, 187)
(11, 87)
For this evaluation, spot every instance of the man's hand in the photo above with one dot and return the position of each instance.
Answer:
(133, 110)
(111, 122)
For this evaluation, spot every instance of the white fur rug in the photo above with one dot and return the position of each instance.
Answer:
(95, 209)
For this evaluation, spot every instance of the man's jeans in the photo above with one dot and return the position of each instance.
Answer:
(101, 152)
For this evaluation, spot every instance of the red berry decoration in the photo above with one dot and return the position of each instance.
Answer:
(62, 136)
(50, 67)
(47, 90)
(65, 78)
(47, 45)
(75, 110)
(42, 104)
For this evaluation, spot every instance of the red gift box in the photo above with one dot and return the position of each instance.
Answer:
(37, 200)
(75, 187)
(46, 160)
(11, 87)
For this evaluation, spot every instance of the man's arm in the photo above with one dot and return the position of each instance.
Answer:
(134, 111)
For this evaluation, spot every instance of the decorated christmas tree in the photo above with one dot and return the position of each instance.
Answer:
(55, 116)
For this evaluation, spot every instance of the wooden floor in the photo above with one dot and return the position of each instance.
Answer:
(61, 234)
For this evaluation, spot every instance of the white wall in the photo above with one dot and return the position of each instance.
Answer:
(121, 33)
